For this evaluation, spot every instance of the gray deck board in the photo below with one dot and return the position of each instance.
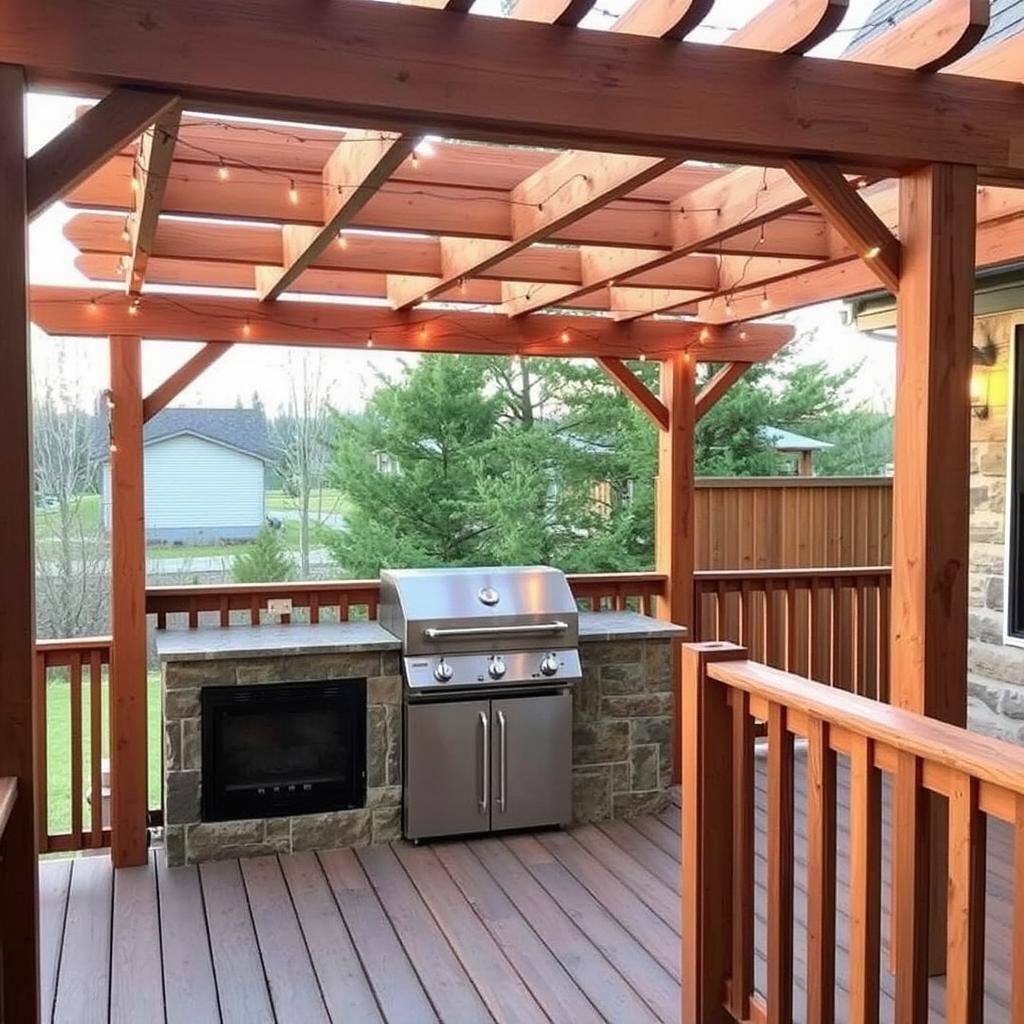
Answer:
(577, 927)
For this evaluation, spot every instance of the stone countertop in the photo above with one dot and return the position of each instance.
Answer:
(213, 643)
(626, 626)
(220, 643)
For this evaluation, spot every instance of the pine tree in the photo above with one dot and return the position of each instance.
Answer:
(265, 561)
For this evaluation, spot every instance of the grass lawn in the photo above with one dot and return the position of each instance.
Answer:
(58, 748)
(327, 500)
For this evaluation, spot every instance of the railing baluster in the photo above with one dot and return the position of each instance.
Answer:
(780, 867)
(865, 882)
(96, 747)
(1017, 935)
(884, 606)
(910, 890)
(743, 855)
(75, 715)
(965, 935)
(41, 780)
(225, 611)
(821, 876)
(314, 609)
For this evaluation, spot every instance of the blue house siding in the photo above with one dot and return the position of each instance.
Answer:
(198, 491)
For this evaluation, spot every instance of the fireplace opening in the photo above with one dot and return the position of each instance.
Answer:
(286, 748)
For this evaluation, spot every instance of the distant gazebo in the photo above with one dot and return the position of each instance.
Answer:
(788, 443)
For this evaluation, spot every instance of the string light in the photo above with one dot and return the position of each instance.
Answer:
(369, 341)
(135, 184)
(92, 305)
(246, 329)
(423, 333)
(342, 241)
(424, 148)
(643, 357)
(222, 170)
(414, 160)
(133, 307)
(126, 234)
(873, 252)
(705, 334)
(728, 305)
(565, 338)
(293, 192)
(743, 335)
(113, 449)
(765, 301)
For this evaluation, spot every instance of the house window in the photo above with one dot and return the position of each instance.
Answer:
(1015, 568)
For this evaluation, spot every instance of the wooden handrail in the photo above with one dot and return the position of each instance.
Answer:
(704, 576)
(973, 776)
(982, 757)
(8, 795)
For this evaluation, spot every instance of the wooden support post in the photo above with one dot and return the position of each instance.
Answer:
(19, 890)
(931, 506)
(707, 835)
(673, 515)
(129, 796)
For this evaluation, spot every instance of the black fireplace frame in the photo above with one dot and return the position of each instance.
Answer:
(218, 805)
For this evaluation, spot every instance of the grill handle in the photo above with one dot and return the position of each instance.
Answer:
(525, 629)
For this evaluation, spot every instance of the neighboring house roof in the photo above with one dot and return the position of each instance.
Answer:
(1006, 18)
(787, 441)
(245, 430)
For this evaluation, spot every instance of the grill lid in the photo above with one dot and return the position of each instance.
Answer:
(471, 609)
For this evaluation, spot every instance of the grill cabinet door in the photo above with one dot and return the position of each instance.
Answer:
(531, 754)
(447, 768)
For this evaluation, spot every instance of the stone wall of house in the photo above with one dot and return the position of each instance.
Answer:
(189, 840)
(996, 670)
(622, 729)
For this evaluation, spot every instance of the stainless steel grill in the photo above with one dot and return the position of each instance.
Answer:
(482, 628)
(488, 659)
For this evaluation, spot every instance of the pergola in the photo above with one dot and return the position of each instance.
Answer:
(620, 194)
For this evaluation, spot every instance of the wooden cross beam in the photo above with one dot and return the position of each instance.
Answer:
(552, 12)
(790, 26)
(70, 157)
(716, 388)
(664, 20)
(149, 181)
(404, 68)
(571, 186)
(361, 163)
(186, 374)
(862, 228)
(633, 387)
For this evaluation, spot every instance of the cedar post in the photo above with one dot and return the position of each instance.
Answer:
(19, 889)
(129, 774)
(673, 515)
(931, 504)
(707, 835)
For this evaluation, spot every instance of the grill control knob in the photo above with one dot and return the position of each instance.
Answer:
(497, 667)
(443, 672)
(549, 664)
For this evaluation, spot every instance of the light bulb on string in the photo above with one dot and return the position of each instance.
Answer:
(222, 171)
(565, 337)
(293, 193)
(342, 241)
(369, 341)
(246, 329)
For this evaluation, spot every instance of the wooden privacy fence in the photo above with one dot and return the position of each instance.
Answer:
(976, 778)
(792, 522)
(830, 625)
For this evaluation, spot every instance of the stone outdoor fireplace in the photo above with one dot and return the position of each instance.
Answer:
(265, 755)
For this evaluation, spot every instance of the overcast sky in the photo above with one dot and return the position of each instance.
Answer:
(248, 368)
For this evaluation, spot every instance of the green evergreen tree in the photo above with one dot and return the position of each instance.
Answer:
(265, 561)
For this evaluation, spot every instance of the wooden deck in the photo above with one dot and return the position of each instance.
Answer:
(563, 927)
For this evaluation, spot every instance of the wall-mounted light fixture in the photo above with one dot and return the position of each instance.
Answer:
(984, 358)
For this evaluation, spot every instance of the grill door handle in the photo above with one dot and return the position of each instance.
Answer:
(502, 763)
(524, 629)
(485, 763)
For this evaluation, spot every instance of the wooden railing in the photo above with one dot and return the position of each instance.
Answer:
(72, 721)
(974, 778)
(831, 625)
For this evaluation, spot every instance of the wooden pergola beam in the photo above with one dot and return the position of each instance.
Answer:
(552, 12)
(185, 375)
(88, 312)
(573, 185)
(717, 388)
(195, 190)
(401, 68)
(360, 164)
(932, 37)
(634, 388)
(104, 129)
(862, 228)
(790, 26)
(675, 19)
(149, 182)
(19, 873)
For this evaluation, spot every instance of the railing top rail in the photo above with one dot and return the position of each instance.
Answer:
(80, 643)
(982, 757)
(8, 794)
(807, 482)
(827, 572)
(303, 586)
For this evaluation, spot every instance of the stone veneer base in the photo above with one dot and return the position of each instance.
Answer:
(189, 840)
